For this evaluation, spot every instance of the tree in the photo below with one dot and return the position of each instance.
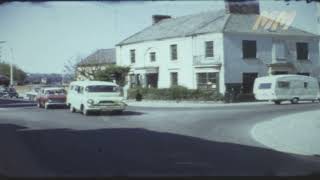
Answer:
(18, 74)
(112, 72)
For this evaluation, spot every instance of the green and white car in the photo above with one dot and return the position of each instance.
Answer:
(89, 96)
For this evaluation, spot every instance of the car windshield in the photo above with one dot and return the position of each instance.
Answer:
(101, 88)
(55, 92)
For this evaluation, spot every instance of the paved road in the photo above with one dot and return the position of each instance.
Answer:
(145, 141)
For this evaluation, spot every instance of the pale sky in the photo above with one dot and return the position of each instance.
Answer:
(43, 36)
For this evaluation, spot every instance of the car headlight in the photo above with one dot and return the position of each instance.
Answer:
(90, 101)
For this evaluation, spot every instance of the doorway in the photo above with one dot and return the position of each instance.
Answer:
(248, 82)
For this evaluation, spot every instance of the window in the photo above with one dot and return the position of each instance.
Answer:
(173, 51)
(283, 84)
(174, 78)
(81, 90)
(249, 49)
(265, 86)
(209, 48)
(133, 55)
(206, 80)
(302, 51)
(152, 56)
(304, 74)
(305, 85)
(280, 50)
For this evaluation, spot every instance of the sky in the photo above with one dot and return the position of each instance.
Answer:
(42, 37)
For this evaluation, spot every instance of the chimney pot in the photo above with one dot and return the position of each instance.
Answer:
(158, 18)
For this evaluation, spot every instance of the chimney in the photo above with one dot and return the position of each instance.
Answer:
(158, 18)
(242, 6)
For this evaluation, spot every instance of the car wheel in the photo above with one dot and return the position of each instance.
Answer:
(295, 101)
(85, 111)
(72, 109)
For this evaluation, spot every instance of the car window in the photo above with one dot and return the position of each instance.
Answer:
(265, 86)
(101, 88)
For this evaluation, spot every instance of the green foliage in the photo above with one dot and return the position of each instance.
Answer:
(18, 74)
(119, 73)
(175, 93)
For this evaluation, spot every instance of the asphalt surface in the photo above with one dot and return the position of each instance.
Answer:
(146, 142)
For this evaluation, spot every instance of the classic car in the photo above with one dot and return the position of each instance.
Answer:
(51, 96)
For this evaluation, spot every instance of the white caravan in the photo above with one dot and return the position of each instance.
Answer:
(88, 96)
(278, 88)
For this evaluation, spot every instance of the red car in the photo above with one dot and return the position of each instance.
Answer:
(51, 96)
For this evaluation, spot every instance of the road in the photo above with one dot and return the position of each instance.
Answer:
(145, 142)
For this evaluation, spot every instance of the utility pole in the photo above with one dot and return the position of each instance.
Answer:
(11, 68)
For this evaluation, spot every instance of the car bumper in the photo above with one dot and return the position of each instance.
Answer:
(56, 104)
(111, 107)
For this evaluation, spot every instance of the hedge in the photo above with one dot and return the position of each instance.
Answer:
(175, 93)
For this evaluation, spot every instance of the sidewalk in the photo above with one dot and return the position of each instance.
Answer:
(297, 133)
(184, 104)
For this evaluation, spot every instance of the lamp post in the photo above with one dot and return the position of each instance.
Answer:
(1, 42)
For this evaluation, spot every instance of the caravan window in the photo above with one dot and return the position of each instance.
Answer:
(265, 86)
(283, 84)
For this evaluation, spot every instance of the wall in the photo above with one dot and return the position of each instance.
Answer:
(187, 48)
(235, 65)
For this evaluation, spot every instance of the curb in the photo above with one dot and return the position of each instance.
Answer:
(189, 105)
(17, 105)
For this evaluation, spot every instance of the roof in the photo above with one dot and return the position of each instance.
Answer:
(88, 83)
(101, 56)
(207, 22)
(275, 77)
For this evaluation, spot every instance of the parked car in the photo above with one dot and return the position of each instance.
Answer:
(88, 96)
(294, 88)
(8, 92)
(51, 96)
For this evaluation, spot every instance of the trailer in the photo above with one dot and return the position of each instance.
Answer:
(279, 88)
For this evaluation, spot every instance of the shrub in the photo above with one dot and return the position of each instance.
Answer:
(175, 93)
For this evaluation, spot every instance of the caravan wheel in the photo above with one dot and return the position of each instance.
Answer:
(295, 101)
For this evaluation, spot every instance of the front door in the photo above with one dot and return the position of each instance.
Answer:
(152, 80)
(248, 82)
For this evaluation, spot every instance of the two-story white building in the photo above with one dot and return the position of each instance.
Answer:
(221, 49)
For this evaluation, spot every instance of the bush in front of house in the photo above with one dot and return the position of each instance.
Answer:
(175, 93)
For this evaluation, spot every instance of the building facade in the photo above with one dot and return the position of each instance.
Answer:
(217, 50)
(95, 61)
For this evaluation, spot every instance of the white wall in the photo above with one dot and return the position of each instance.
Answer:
(198, 46)
(187, 48)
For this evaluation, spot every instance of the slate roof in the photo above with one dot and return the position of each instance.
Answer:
(101, 56)
(207, 22)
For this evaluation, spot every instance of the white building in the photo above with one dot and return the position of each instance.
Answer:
(222, 49)
(98, 60)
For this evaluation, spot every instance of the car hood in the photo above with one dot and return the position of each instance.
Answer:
(56, 97)
(101, 97)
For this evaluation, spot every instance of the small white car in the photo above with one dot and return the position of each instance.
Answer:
(89, 96)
